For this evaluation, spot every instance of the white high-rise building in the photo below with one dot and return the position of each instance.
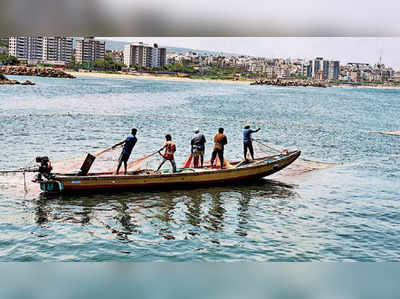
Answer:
(141, 54)
(57, 49)
(30, 48)
(89, 50)
(42, 48)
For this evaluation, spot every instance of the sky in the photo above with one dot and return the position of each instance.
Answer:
(345, 49)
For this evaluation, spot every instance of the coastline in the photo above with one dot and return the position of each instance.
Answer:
(144, 76)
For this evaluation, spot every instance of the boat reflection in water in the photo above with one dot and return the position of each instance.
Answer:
(204, 213)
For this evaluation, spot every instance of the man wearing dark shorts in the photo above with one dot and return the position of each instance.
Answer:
(128, 143)
(247, 142)
(220, 141)
(197, 144)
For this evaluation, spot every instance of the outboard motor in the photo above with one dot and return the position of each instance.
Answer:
(44, 168)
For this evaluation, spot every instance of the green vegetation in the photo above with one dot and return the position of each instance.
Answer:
(3, 44)
(107, 64)
(8, 60)
(178, 68)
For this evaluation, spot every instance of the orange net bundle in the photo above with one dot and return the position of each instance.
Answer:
(192, 163)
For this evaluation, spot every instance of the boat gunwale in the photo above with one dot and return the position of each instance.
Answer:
(295, 154)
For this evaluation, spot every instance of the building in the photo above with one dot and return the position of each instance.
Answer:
(316, 66)
(334, 70)
(323, 69)
(140, 54)
(27, 48)
(355, 76)
(307, 70)
(42, 48)
(57, 49)
(89, 50)
(4, 45)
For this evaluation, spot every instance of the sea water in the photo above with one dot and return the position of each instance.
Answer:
(346, 212)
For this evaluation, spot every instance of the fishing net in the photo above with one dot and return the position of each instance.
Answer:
(106, 162)
(299, 167)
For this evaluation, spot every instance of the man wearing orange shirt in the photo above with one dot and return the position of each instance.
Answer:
(170, 149)
(220, 141)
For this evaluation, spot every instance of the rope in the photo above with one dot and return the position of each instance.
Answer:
(271, 148)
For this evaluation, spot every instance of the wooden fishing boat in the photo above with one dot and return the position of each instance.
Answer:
(239, 172)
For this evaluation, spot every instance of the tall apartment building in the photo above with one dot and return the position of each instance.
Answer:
(30, 48)
(57, 49)
(162, 52)
(316, 66)
(334, 70)
(324, 69)
(89, 50)
(141, 54)
(306, 69)
(42, 48)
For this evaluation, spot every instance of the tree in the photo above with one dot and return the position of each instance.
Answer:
(100, 63)
(8, 59)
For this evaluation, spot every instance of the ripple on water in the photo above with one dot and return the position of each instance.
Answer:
(344, 211)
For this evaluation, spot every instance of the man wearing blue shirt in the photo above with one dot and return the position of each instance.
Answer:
(128, 143)
(247, 143)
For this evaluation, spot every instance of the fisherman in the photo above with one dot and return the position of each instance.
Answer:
(128, 143)
(247, 142)
(219, 142)
(197, 144)
(170, 149)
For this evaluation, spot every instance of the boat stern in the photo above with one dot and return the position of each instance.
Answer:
(51, 186)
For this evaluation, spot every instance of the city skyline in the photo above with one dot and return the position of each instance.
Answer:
(344, 49)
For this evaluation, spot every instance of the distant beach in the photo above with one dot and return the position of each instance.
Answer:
(152, 77)
(147, 76)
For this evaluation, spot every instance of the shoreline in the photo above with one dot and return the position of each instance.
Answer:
(143, 76)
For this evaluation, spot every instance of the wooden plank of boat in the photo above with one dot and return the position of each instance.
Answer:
(195, 177)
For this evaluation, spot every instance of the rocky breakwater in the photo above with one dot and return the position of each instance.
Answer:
(279, 82)
(34, 71)
(4, 80)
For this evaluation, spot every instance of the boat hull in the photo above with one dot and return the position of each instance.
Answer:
(176, 180)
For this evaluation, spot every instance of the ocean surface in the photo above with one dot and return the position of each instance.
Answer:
(348, 211)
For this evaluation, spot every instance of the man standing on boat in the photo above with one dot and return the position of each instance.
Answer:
(198, 148)
(128, 143)
(220, 141)
(170, 149)
(247, 142)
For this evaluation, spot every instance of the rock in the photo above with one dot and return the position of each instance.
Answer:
(285, 82)
(4, 80)
(35, 71)
(27, 82)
